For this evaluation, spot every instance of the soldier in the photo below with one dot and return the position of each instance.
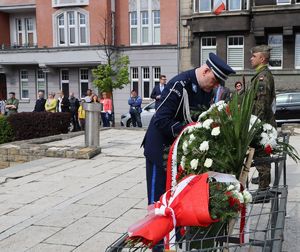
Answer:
(264, 102)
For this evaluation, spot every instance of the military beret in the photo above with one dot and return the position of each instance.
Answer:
(220, 69)
(261, 49)
(13, 93)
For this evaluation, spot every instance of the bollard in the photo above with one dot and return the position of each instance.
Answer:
(92, 121)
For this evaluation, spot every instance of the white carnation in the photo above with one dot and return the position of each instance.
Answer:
(208, 162)
(192, 138)
(194, 164)
(185, 147)
(230, 188)
(207, 123)
(239, 196)
(267, 126)
(215, 131)
(191, 129)
(182, 162)
(219, 103)
(222, 107)
(247, 197)
(204, 146)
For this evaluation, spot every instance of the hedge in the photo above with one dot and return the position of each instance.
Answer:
(28, 125)
(5, 130)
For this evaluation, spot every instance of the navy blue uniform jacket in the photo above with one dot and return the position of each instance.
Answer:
(168, 120)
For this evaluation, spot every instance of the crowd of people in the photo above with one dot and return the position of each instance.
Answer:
(63, 103)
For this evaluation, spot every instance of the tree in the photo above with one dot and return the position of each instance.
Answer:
(114, 73)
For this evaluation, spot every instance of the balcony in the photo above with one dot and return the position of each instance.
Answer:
(67, 3)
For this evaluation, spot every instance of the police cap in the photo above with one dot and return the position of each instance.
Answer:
(220, 69)
(261, 49)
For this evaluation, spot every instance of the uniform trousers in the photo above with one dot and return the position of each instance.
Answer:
(264, 174)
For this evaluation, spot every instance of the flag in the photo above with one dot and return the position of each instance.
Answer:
(219, 6)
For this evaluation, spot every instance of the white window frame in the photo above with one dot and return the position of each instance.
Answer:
(156, 72)
(134, 26)
(236, 47)
(145, 26)
(146, 79)
(204, 11)
(40, 79)
(67, 26)
(289, 2)
(213, 48)
(229, 6)
(23, 80)
(297, 37)
(62, 81)
(155, 26)
(281, 52)
(24, 32)
(134, 76)
(83, 80)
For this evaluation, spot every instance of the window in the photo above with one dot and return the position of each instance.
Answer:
(235, 52)
(283, 2)
(275, 41)
(41, 81)
(84, 81)
(156, 27)
(72, 28)
(135, 79)
(204, 6)
(145, 27)
(65, 81)
(297, 1)
(24, 84)
(133, 28)
(235, 5)
(25, 32)
(297, 51)
(146, 82)
(208, 45)
(156, 74)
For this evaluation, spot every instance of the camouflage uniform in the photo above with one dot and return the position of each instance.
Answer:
(265, 96)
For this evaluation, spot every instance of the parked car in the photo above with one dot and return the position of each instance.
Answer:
(146, 115)
(287, 108)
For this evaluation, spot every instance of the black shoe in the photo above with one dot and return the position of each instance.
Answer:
(255, 180)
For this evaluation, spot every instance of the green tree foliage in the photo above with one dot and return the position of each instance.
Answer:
(5, 130)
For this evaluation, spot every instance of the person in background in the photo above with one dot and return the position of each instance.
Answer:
(2, 107)
(239, 89)
(95, 99)
(106, 110)
(221, 93)
(12, 104)
(157, 90)
(81, 115)
(135, 110)
(40, 103)
(51, 103)
(74, 106)
(63, 103)
(88, 97)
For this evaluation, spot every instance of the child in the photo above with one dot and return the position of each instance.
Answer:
(81, 115)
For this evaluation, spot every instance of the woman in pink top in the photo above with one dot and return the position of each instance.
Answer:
(106, 111)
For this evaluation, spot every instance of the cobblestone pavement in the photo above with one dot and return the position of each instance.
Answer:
(59, 204)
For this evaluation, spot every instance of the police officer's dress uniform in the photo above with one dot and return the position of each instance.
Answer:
(181, 93)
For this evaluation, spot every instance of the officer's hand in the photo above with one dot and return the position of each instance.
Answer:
(158, 97)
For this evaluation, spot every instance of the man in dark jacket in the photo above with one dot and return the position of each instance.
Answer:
(40, 103)
(74, 106)
(157, 90)
(63, 103)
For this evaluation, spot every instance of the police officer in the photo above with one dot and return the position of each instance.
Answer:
(264, 102)
(192, 88)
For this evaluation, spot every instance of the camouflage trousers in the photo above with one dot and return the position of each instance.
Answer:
(264, 174)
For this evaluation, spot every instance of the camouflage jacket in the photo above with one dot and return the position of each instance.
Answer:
(265, 96)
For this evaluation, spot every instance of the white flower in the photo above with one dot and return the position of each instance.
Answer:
(198, 125)
(222, 106)
(207, 123)
(191, 129)
(194, 164)
(230, 188)
(185, 147)
(192, 138)
(208, 162)
(219, 103)
(215, 131)
(239, 196)
(267, 127)
(247, 197)
(203, 114)
(237, 187)
(204, 146)
(182, 162)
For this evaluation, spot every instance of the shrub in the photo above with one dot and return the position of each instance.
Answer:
(5, 130)
(28, 125)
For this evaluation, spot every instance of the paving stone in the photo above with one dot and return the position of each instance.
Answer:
(80, 231)
(7, 207)
(98, 243)
(7, 222)
(46, 247)
(138, 191)
(66, 216)
(27, 238)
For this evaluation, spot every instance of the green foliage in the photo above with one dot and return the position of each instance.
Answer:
(5, 130)
(113, 75)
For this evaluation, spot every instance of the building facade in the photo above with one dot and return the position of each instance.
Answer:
(53, 45)
(242, 25)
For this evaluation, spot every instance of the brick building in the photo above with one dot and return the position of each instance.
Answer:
(242, 25)
(53, 44)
